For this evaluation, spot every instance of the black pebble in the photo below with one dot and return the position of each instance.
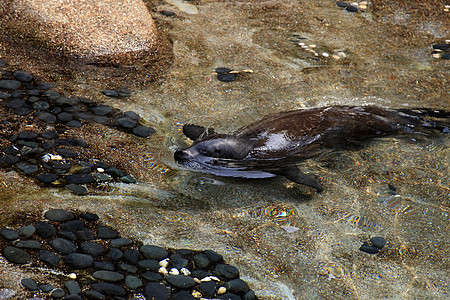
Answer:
(369, 249)
(57, 293)
(93, 249)
(49, 258)
(46, 117)
(341, 4)
(9, 234)
(213, 256)
(133, 282)
(153, 252)
(68, 235)
(85, 234)
(28, 244)
(183, 295)
(120, 242)
(143, 131)
(63, 246)
(27, 168)
(74, 124)
(104, 265)
(47, 178)
(89, 217)
(106, 232)
(152, 276)
(441, 46)
(3, 64)
(128, 268)
(226, 271)
(45, 230)
(178, 262)
(126, 122)
(127, 179)
(222, 70)
(46, 288)
(208, 288)
(446, 56)
(58, 215)
(78, 260)
(27, 135)
(9, 84)
(23, 76)
(110, 93)
(149, 264)
(132, 115)
(115, 254)
(167, 13)
(351, 8)
(229, 296)
(77, 189)
(80, 178)
(201, 261)
(115, 172)
(15, 103)
(154, 290)
(101, 110)
(65, 117)
(131, 256)
(41, 105)
(8, 160)
(109, 289)
(16, 255)
(123, 92)
(29, 284)
(237, 286)
(378, 241)
(250, 295)
(26, 231)
(108, 276)
(226, 77)
(73, 225)
(50, 135)
(72, 286)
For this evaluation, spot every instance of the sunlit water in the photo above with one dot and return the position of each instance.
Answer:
(288, 241)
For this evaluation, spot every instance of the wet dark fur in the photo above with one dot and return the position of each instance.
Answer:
(275, 144)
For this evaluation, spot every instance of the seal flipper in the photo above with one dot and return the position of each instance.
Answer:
(196, 132)
(294, 174)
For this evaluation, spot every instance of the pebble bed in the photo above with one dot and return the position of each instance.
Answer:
(46, 156)
(96, 263)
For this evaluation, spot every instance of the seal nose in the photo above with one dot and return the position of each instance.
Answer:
(180, 155)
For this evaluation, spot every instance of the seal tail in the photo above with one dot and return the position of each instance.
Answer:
(437, 119)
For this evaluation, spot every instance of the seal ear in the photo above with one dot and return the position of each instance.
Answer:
(196, 132)
(294, 174)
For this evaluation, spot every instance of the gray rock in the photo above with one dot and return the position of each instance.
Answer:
(109, 289)
(26, 231)
(28, 244)
(45, 230)
(63, 246)
(237, 286)
(108, 276)
(133, 282)
(72, 286)
(226, 271)
(49, 258)
(110, 93)
(58, 215)
(79, 261)
(93, 249)
(57, 293)
(29, 284)
(180, 281)
(9, 84)
(16, 255)
(23, 76)
(153, 252)
(378, 241)
(106, 232)
(28, 169)
(9, 234)
(120, 242)
(201, 261)
(154, 290)
(94, 295)
(126, 122)
(143, 131)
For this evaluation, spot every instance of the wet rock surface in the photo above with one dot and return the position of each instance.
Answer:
(97, 275)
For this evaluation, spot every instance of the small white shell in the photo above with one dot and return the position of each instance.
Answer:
(185, 271)
(174, 271)
(164, 263)
(72, 276)
(163, 271)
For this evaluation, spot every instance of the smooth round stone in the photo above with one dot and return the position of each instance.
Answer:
(27, 135)
(73, 297)
(226, 77)
(45, 86)
(73, 225)
(131, 256)
(15, 103)
(152, 276)
(16, 255)
(84, 115)
(132, 115)
(222, 70)
(201, 261)
(33, 99)
(154, 290)
(49, 258)
(46, 288)
(52, 95)
(213, 256)
(68, 235)
(93, 249)
(109, 289)
(65, 117)
(22, 111)
(123, 92)
(77, 189)
(178, 262)
(446, 56)
(104, 265)
(229, 296)
(127, 122)
(89, 217)
(101, 110)
(110, 93)
(41, 105)
(58, 215)
(115, 172)
(64, 101)
(378, 241)
(4, 95)
(29, 284)
(153, 252)
(13, 150)
(74, 124)
(120, 242)
(342, 4)
(27, 168)
(167, 13)
(46, 117)
(60, 165)
(85, 100)
(101, 119)
(79, 261)
(226, 271)
(50, 135)
(68, 153)
(127, 179)
(128, 268)
(9, 234)
(80, 178)
(237, 286)
(9, 84)
(47, 178)
(441, 46)
(200, 274)
(23, 76)
(133, 282)
(26, 231)
(183, 295)
(149, 264)
(180, 281)
(85, 234)
(208, 288)
(94, 295)
(33, 92)
(57, 293)
(45, 230)
(72, 286)
(369, 249)
(351, 8)
(115, 254)
(63, 246)
(108, 276)
(28, 244)
(8, 160)
(106, 232)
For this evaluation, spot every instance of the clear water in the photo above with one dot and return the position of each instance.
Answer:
(287, 241)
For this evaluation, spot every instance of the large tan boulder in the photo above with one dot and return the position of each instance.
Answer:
(83, 28)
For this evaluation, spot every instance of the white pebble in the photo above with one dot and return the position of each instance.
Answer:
(100, 170)
(164, 263)
(325, 54)
(437, 55)
(206, 279)
(185, 271)
(174, 271)
(363, 3)
(222, 290)
(355, 4)
(363, 7)
(196, 294)
(72, 276)
(197, 280)
(301, 44)
(163, 271)
(312, 46)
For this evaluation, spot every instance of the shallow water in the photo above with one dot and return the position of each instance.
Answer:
(287, 241)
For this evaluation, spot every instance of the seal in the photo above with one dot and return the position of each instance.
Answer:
(274, 145)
